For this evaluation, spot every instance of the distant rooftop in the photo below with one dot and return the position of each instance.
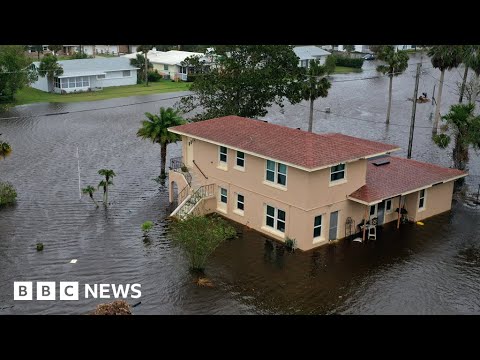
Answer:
(298, 148)
(96, 66)
(309, 52)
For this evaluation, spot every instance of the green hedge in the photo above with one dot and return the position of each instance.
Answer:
(349, 62)
(154, 76)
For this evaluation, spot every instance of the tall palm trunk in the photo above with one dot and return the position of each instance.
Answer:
(163, 160)
(91, 197)
(389, 100)
(310, 118)
(439, 103)
(460, 153)
(146, 68)
(462, 89)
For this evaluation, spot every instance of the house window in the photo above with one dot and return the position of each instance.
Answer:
(57, 82)
(275, 218)
(222, 154)
(421, 200)
(101, 76)
(182, 69)
(223, 195)
(126, 73)
(240, 159)
(240, 202)
(337, 172)
(276, 172)
(317, 226)
(64, 83)
(165, 67)
(373, 209)
(388, 206)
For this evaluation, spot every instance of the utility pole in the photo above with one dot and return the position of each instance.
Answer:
(414, 109)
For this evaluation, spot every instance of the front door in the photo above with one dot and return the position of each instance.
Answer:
(381, 213)
(333, 226)
(373, 211)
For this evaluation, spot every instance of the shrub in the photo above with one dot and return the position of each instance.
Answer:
(154, 76)
(191, 77)
(8, 194)
(349, 62)
(199, 236)
(290, 244)
(78, 55)
(147, 226)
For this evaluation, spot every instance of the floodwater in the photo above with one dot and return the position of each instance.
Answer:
(430, 269)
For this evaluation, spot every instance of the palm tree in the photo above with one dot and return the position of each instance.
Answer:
(349, 49)
(55, 48)
(90, 190)
(109, 174)
(155, 129)
(51, 68)
(145, 49)
(472, 60)
(5, 149)
(443, 57)
(465, 128)
(139, 62)
(316, 86)
(396, 63)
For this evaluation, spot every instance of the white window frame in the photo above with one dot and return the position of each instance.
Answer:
(165, 67)
(129, 73)
(391, 206)
(276, 172)
(275, 229)
(237, 210)
(222, 195)
(338, 181)
(222, 164)
(101, 78)
(221, 206)
(424, 199)
(239, 167)
(319, 237)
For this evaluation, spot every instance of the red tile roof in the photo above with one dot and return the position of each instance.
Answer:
(400, 176)
(296, 147)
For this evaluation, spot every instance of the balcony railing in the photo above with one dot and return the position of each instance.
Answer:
(176, 164)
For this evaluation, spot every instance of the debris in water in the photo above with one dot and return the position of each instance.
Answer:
(138, 303)
(117, 307)
(73, 261)
(203, 281)
(39, 246)
(420, 223)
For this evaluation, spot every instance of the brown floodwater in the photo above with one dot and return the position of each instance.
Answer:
(430, 269)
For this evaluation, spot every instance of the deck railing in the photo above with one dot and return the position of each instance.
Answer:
(176, 164)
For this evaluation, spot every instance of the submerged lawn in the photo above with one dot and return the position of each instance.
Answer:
(30, 95)
(346, 70)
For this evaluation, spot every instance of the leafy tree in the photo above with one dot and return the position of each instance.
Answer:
(472, 60)
(5, 149)
(465, 128)
(195, 64)
(50, 68)
(199, 236)
(349, 49)
(145, 49)
(38, 49)
(109, 174)
(443, 57)
(155, 129)
(16, 71)
(90, 190)
(245, 80)
(330, 64)
(55, 48)
(139, 62)
(396, 63)
(315, 86)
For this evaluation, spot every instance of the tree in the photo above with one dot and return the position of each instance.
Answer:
(50, 68)
(109, 174)
(396, 63)
(349, 49)
(245, 80)
(472, 60)
(5, 149)
(199, 236)
(155, 129)
(55, 48)
(16, 71)
(145, 49)
(465, 128)
(315, 86)
(38, 49)
(90, 190)
(139, 62)
(443, 57)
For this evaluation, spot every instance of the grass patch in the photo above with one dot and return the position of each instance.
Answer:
(29, 95)
(346, 70)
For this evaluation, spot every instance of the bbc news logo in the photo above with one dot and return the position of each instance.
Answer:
(70, 290)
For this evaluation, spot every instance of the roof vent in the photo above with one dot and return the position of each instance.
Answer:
(381, 162)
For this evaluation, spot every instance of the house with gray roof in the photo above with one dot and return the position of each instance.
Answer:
(89, 74)
(308, 53)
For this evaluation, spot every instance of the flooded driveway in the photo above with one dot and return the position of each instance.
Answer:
(417, 270)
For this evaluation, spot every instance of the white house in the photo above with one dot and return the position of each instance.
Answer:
(168, 63)
(89, 74)
(105, 49)
(358, 48)
(310, 52)
(404, 47)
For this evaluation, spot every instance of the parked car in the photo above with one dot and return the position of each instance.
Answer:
(369, 57)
